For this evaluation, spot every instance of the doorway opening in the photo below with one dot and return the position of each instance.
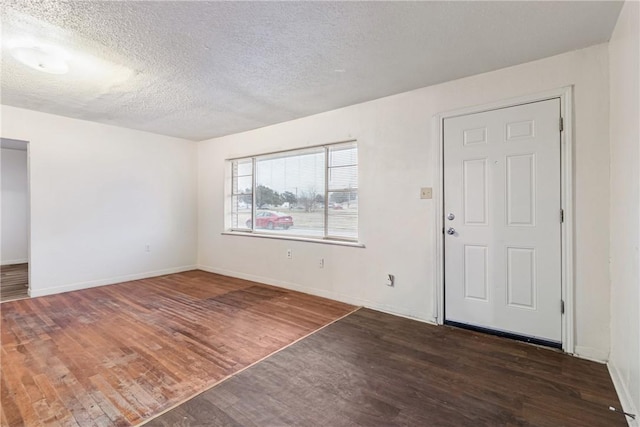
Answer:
(15, 225)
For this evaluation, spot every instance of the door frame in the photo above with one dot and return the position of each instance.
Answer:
(29, 203)
(565, 94)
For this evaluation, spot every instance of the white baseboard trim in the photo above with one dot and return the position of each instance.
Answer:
(626, 401)
(110, 281)
(348, 299)
(14, 261)
(593, 354)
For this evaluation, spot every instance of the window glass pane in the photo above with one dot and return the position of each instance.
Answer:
(343, 155)
(242, 185)
(241, 197)
(343, 214)
(241, 211)
(244, 167)
(290, 193)
(345, 177)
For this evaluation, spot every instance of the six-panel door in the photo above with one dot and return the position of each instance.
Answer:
(502, 188)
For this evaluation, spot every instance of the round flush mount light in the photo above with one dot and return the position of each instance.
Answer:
(41, 58)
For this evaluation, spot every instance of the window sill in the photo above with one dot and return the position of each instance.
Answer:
(295, 238)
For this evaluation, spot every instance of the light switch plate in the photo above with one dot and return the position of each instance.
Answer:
(426, 193)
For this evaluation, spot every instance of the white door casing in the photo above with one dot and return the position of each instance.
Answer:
(502, 183)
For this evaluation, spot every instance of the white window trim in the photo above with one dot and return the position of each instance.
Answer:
(568, 284)
(351, 243)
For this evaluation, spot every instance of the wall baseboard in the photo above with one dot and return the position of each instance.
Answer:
(14, 261)
(593, 354)
(348, 299)
(110, 281)
(626, 401)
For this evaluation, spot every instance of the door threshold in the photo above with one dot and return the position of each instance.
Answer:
(516, 337)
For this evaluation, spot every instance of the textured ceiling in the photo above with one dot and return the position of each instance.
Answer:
(203, 69)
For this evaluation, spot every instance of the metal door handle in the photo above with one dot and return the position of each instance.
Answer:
(451, 231)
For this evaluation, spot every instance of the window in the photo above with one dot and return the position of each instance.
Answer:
(311, 192)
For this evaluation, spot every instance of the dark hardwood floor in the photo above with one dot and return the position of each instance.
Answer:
(117, 355)
(14, 282)
(373, 369)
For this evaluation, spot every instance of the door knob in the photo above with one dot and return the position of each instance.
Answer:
(451, 231)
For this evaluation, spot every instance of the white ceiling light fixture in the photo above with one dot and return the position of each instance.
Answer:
(42, 58)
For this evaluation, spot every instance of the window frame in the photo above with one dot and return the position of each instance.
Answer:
(326, 237)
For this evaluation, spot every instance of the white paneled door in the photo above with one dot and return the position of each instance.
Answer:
(503, 220)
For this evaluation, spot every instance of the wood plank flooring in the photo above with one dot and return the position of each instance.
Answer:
(117, 355)
(373, 369)
(14, 281)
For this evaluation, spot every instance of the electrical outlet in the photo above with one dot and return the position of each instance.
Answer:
(391, 280)
(426, 193)
(289, 254)
(321, 263)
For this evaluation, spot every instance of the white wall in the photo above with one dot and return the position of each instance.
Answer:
(15, 213)
(624, 69)
(99, 195)
(397, 157)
